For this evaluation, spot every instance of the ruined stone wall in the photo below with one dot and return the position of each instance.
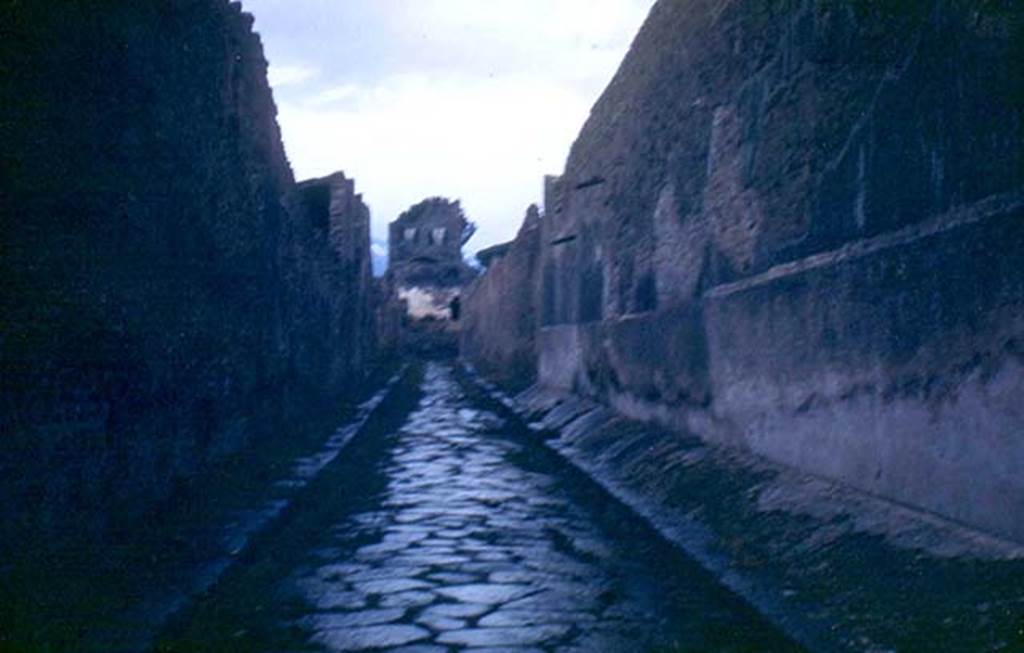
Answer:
(341, 220)
(499, 322)
(166, 301)
(432, 230)
(796, 228)
(425, 275)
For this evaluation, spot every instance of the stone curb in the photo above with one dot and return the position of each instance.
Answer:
(835, 569)
(140, 624)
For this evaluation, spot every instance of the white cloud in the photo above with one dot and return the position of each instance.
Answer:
(469, 99)
(285, 75)
(412, 137)
(333, 95)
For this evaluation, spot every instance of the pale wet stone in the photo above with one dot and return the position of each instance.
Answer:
(457, 610)
(439, 624)
(454, 578)
(488, 593)
(492, 556)
(383, 572)
(469, 554)
(459, 518)
(434, 546)
(547, 502)
(433, 549)
(503, 636)
(410, 599)
(522, 576)
(372, 518)
(381, 548)
(407, 535)
(448, 561)
(390, 585)
(357, 639)
(410, 517)
(419, 648)
(591, 546)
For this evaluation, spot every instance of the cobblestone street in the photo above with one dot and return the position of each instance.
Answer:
(474, 542)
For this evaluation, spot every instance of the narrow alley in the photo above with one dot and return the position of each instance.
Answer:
(469, 536)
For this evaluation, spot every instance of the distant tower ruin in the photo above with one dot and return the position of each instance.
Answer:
(432, 231)
(426, 275)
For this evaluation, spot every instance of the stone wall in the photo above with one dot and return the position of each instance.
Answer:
(500, 318)
(166, 299)
(339, 218)
(796, 228)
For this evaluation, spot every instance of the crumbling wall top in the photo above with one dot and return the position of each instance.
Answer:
(432, 231)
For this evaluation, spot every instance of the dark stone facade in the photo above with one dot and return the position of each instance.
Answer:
(500, 323)
(340, 218)
(168, 299)
(796, 229)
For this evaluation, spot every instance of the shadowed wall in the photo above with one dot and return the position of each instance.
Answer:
(167, 300)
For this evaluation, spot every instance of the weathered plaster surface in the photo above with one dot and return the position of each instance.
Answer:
(837, 569)
(797, 229)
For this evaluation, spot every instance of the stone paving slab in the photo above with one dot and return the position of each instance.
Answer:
(474, 544)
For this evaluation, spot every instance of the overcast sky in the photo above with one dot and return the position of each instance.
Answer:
(468, 99)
